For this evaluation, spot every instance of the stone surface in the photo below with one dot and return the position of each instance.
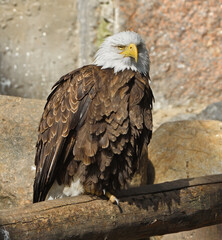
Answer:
(172, 113)
(19, 120)
(191, 111)
(38, 45)
(213, 111)
(186, 149)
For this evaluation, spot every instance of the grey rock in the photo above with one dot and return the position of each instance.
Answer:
(213, 112)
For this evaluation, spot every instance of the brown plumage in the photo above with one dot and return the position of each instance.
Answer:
(93, 127)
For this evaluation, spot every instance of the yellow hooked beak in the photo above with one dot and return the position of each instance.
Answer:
(131, 51)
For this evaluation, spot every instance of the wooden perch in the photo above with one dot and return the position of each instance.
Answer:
(146, 211)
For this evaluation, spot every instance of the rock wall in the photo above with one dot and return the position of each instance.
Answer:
(38, 43)
(185, 42)
(42, 40)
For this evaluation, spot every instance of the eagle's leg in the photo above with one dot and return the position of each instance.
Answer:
(111, 197)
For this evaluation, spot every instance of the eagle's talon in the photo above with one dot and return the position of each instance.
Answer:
(104, 192)
(111, 197)
(113, 200)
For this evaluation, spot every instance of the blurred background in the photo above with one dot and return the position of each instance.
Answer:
(42, 40)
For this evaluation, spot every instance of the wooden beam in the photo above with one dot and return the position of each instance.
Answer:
(146, 211)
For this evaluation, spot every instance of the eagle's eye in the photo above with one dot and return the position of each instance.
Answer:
(121, 47)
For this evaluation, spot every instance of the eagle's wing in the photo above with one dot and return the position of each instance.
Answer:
(65, 111)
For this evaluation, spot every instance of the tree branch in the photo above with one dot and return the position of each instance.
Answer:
(146, 211)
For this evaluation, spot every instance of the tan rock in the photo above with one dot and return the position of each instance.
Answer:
(18, 134)
(186, 149)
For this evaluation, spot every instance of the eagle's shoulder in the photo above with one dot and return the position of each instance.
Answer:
(85, 76)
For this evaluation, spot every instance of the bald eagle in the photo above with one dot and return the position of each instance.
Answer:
(95, 122)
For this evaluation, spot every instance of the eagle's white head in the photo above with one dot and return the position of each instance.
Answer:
(124, 50)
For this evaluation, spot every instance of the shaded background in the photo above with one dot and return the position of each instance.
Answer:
(42, 40)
